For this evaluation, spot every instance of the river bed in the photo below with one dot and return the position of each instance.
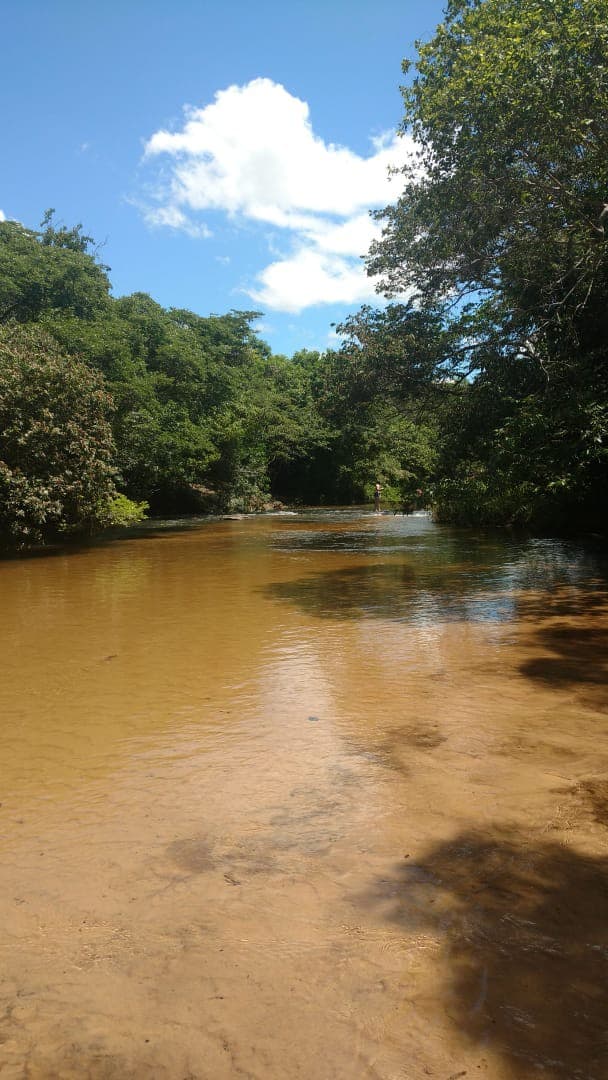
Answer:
(317, 796)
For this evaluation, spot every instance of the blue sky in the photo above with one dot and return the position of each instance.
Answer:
(225, 154)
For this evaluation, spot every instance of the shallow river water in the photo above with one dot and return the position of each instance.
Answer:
(315, 796)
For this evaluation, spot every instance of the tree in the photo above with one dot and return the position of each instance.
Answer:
(56, 447)
(509, 195)
(52, 270)
(501, 226)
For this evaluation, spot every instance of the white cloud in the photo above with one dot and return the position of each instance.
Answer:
(2, 215)
(171, 216)
(254, 151)
(311, 277)
(253, 155)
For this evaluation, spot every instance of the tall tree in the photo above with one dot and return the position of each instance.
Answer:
(502, 224)
(509, 196)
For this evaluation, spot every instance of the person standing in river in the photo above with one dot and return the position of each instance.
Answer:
(377, 492)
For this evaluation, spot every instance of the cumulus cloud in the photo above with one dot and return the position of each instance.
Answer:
(310, 277)
(253, 154)
(2, 215)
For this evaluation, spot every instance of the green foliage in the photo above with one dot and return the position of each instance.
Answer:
(48, 271)
(204, 417)
(372, 429)
(56, 446)
(545, 464)
(177, 381)
(501, 230)
(121, 511)
(508, 107)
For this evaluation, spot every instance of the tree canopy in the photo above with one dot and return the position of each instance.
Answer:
(501, 229)
(508, 196)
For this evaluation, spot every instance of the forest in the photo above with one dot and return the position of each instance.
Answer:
(476, 387)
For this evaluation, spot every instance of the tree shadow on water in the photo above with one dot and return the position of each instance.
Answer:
(525, 930)
(572, 656)
(454, 582)
(397, 590)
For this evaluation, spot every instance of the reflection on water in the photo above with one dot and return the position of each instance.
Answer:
(406, 571)
(319, 795)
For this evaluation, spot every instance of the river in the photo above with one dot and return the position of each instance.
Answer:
(317, 796)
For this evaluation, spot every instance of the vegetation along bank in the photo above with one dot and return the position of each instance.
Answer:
(486, 388)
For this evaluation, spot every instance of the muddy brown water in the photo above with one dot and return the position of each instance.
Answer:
(315, 796)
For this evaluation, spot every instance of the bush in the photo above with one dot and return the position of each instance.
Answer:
(122, 511)
(56, 446)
